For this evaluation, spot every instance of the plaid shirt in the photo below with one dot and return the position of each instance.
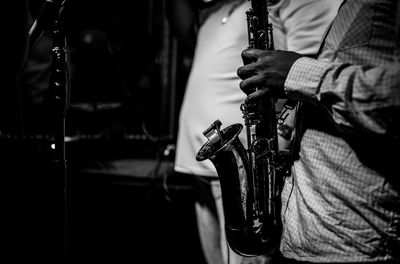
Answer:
(342, 202)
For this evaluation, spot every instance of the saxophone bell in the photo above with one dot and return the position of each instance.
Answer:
(247, 227)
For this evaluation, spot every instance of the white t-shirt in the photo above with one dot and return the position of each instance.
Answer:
(213, 91)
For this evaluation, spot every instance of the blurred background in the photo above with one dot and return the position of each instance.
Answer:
(123, 58)
(127, 78)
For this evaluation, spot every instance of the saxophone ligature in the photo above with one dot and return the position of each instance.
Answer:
(251, 178)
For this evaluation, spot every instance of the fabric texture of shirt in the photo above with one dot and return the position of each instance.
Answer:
(342, 203)
(213, 89)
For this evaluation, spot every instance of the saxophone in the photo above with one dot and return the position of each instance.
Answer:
(250, 178)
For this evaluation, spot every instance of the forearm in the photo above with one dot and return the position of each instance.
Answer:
(356, 98)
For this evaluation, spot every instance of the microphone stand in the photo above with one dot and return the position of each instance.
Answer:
(59, 88)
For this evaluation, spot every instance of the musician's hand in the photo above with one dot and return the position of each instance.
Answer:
(266, 71)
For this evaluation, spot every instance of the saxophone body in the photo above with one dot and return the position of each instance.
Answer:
(250, 176)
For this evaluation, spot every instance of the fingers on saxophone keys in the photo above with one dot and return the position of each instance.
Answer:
(247, 56)
(246, 71)
(248, 85)
(256, 96)
(251, 55)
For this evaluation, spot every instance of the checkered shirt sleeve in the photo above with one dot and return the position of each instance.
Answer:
(365, 98)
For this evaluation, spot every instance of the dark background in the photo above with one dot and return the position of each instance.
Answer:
(127, 81)
(120, 52)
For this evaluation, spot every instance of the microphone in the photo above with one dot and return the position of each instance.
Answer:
(48, 13)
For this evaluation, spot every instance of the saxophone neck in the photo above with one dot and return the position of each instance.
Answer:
(259, 29)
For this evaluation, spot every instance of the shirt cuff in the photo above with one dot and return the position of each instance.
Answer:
(304, 79)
